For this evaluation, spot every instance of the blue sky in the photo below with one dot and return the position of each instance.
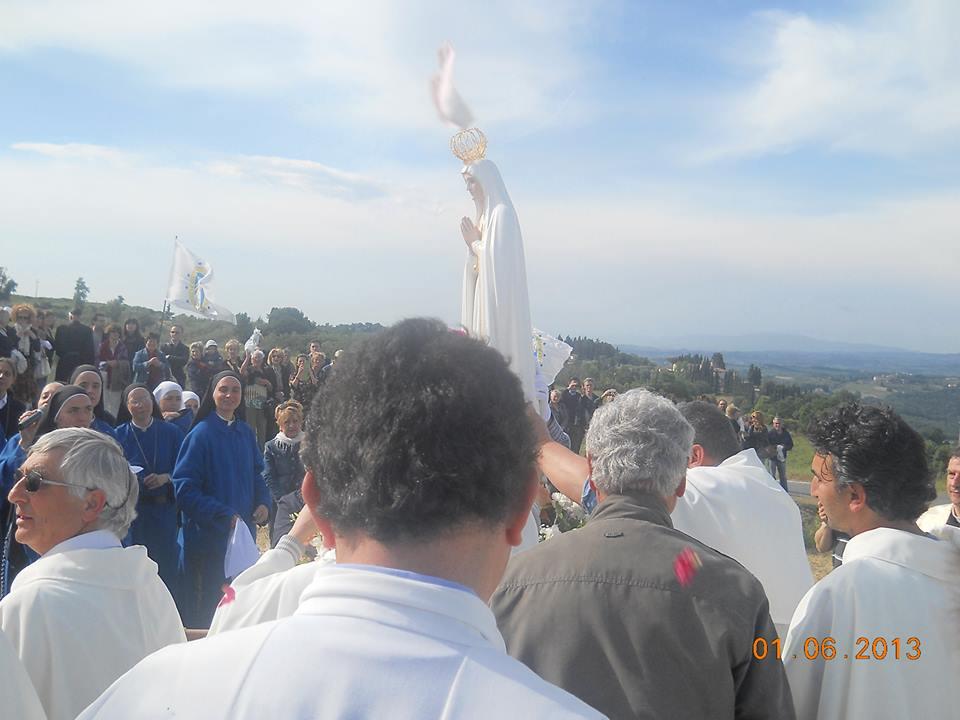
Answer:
(678, 168)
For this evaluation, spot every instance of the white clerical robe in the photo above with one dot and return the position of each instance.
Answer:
(740, 510)
(18, 699)
(363, 644)
(935, 517)
(892, 585)
(269, 590)
(84, 614)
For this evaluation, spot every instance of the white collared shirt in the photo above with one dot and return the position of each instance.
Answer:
(93, 540)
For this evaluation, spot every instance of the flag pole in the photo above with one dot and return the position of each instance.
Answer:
(166, 304)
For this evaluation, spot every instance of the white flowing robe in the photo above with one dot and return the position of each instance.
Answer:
(892, 584)
(496, 307)
(79, 619)
(269, 590)
(740, 510)
(935, 517)
(18, 699)
(363, 644)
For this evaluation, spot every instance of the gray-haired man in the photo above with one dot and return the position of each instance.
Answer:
(89, 609)
(628, 614)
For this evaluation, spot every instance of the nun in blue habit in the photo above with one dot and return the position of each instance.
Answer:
(169, 397)
(91, 380)
(218, 482)
(152, 444)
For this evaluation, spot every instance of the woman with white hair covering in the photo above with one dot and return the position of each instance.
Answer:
(169, 397)
(191, 400)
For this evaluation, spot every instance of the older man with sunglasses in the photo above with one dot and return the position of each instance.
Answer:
(89, 609)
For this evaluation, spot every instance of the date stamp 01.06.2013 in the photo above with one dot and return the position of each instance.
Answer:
(865, 648)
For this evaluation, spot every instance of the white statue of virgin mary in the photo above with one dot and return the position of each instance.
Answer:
(495, 306)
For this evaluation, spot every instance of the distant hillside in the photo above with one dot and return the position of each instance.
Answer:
(766, 342)
(871, 361)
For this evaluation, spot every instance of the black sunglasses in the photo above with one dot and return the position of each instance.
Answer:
(33, 479)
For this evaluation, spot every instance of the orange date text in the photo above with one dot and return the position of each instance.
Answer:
(866, 648)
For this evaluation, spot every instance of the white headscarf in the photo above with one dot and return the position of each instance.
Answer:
(189, 395)
(165, 388)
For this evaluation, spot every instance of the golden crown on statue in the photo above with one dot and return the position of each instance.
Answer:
(469, 145)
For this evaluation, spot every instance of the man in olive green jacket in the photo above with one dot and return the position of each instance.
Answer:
(633, 617)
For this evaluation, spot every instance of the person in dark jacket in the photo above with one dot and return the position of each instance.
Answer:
(576, 416)
(11, 408)
(782, 442)
(630, 615)
(757, 437)
(283, 469)
(132, 337)
(178, 354)
(73, 345)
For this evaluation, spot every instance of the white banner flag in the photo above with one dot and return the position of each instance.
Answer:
(190, 283)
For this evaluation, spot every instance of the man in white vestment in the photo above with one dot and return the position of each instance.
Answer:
(733, 505)
(18, 699)
(271, 588)
(89, 609)
(421, 470)
(948, 513)
(878, 637)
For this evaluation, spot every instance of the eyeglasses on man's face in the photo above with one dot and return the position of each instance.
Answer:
(34, 479)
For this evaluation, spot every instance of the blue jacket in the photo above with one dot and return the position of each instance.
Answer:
(218, 475)
(283, 469)
(141, 373)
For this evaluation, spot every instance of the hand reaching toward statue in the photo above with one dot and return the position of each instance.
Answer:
(471, 233)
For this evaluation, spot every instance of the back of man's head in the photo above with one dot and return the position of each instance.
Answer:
(424, 430)
(712, 431)
(639, 443)
(874, 447)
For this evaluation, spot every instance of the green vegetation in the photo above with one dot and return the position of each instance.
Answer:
(80, 293)
(800, 458)
(291, 330)
(7, 285)
(930, 404)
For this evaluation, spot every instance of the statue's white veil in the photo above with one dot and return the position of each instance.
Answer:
(496, 307)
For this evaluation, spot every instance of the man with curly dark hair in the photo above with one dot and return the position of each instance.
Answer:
(421, 471)
(877, 637)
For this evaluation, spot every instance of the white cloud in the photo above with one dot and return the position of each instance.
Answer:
(356, 62)
(75, 151)
(611, 266)
(303, 174)
(884, 83)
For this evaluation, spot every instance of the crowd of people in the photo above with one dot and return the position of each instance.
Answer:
(418, 471)
(199, 471)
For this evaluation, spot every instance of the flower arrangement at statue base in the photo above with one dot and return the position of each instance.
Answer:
(568, 515)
